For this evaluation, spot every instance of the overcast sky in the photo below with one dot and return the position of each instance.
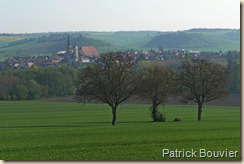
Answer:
(27, 16)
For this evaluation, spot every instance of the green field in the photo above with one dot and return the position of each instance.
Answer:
(223, 40)
(5, 40)
(124, 40)
(216, 40)
(37, 130)
(49, 43)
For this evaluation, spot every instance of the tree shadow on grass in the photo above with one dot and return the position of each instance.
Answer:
(81, 124)
(134, 122)
(46, 126)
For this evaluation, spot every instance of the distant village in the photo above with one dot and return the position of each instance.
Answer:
(75, 55)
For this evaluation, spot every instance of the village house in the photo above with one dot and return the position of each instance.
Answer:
(74, 54)
(85, 55)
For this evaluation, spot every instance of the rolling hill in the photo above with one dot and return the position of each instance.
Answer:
(26, 45)
(198, 39)
(48, 43)
(124, 40)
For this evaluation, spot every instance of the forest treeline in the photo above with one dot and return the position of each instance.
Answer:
(43, 82)
(36, 83)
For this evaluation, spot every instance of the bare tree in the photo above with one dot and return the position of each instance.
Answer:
(110, 80)
(157, 84)
(202, 81)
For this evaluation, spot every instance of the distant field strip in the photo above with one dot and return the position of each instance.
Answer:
(35, 130)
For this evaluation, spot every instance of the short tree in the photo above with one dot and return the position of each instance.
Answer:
(157, 84)
(202, 81)
(110, 80)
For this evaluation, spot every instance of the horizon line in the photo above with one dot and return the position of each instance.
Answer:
(113, 31)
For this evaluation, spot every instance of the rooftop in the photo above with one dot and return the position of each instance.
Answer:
(89, 51)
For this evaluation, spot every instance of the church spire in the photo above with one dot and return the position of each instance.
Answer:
(68, 45)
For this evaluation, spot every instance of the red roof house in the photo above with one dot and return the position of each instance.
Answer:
(89, 51)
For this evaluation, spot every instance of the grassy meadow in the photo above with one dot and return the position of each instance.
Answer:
(47, 44)
(5, 40)
(37, 130)
(123, 40)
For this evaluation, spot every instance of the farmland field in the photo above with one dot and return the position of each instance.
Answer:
(38, 130)
(124, 40)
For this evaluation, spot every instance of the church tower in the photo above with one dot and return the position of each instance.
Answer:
(68, 46)
(68, 50)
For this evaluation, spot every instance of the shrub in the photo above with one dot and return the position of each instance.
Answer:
(159, 117)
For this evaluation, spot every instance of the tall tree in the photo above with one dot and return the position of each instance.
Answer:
(21, 92)
(202, 81)
(8, 83)
(110, 80)
(233, 67)
(157, 84)
(233, 70)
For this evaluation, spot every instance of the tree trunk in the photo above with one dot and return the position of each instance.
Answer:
(114, 115)
(154, 113)
(199, 111)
